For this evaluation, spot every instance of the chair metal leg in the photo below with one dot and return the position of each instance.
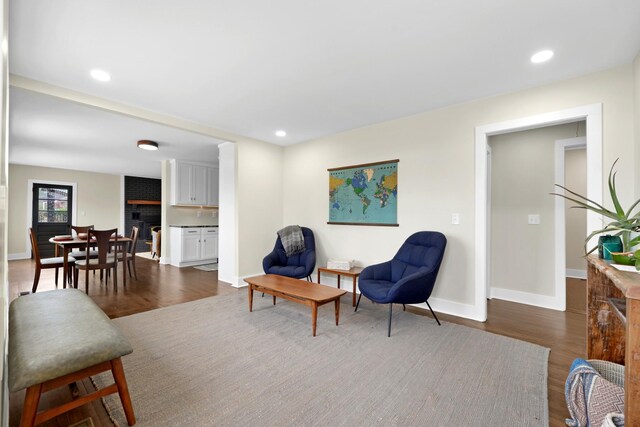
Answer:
(390, 312)
(434, 315)
(358, 303)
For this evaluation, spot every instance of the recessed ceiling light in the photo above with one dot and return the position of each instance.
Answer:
(542, 56)
(145, 144)
(281, 133)
(100, 75)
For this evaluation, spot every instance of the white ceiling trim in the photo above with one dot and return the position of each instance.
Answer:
(117, 107)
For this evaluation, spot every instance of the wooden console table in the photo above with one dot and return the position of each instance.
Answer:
(613, 326)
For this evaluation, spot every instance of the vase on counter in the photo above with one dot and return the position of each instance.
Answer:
(608, 244)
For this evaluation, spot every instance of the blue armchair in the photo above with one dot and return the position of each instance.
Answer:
(409, 277)
(297, 266)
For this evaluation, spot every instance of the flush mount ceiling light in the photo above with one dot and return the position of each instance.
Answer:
(145, 144)
(281, 133)
(542, 56)
(100, 75)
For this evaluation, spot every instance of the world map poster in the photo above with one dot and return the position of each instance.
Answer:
(364, 194)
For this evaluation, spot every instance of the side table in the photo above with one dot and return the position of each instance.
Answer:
(353, 272)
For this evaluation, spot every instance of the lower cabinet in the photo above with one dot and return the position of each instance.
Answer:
(193, 245)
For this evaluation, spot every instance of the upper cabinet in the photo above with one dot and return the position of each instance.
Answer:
(193, 184)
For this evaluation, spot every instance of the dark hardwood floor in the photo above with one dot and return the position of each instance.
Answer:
(164, 285)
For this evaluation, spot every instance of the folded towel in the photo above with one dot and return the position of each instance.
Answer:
(292, 239)
(590, 397)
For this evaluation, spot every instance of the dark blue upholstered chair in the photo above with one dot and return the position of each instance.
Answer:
(297, 266)
(409, 277)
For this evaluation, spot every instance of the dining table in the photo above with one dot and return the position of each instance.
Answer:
(68, 243)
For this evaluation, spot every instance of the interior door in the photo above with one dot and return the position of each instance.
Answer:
(51, 214)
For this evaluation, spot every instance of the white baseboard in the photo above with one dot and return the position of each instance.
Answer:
(238, 282)
(576, 274)
(453, 308)
(544, 301)
(24, 255)
(165, 260)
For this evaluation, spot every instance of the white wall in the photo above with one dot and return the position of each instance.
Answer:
(636, 76)
(4, 169)
(436, 171)
(259, 201)
(522, 176)
(575, 179)
(99, 197)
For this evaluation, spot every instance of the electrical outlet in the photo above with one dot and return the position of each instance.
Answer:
(534, 219)
(455, 218)
(199, 214)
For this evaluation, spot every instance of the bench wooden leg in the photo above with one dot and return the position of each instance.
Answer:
(123, 390)
(31, 416)
(30, 408)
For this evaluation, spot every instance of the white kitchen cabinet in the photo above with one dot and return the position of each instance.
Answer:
(193, 245)
(193, 184)
(209, 243)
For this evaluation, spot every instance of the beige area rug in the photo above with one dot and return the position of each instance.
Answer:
(211, 362)
(207, 267)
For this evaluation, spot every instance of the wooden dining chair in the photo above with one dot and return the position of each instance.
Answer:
(43, 263)
(82, 230)
(105, 260)
(130, 255)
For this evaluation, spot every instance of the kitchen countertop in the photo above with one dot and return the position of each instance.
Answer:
(192, 226)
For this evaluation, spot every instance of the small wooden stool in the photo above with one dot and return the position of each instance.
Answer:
(59, 337)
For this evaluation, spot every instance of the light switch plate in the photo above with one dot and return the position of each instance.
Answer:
(533, 219)
(455, 218)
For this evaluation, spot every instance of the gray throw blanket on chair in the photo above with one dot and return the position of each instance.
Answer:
(292, 239)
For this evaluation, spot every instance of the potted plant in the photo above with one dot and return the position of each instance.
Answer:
(622, 221)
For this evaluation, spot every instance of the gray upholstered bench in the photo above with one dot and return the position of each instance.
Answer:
(59, 337)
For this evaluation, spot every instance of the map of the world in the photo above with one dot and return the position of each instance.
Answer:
(364, 194)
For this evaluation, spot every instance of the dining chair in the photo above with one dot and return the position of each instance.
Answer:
(82, 230)
(105, 260)
(156, 240)
(130, 255)
(43, 263)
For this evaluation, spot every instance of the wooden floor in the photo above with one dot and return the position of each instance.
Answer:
(164, 285)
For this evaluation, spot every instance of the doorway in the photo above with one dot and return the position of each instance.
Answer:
(592, 115)
(51, 214)
(571, 172)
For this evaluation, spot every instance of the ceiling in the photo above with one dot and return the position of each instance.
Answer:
(310, 68)
(52, 132)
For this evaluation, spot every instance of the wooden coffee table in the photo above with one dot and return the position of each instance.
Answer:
(310, 294)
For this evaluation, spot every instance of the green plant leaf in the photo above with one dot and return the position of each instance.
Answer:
(612, 190)
(628, 214)
(577, 195)
(582, 205)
